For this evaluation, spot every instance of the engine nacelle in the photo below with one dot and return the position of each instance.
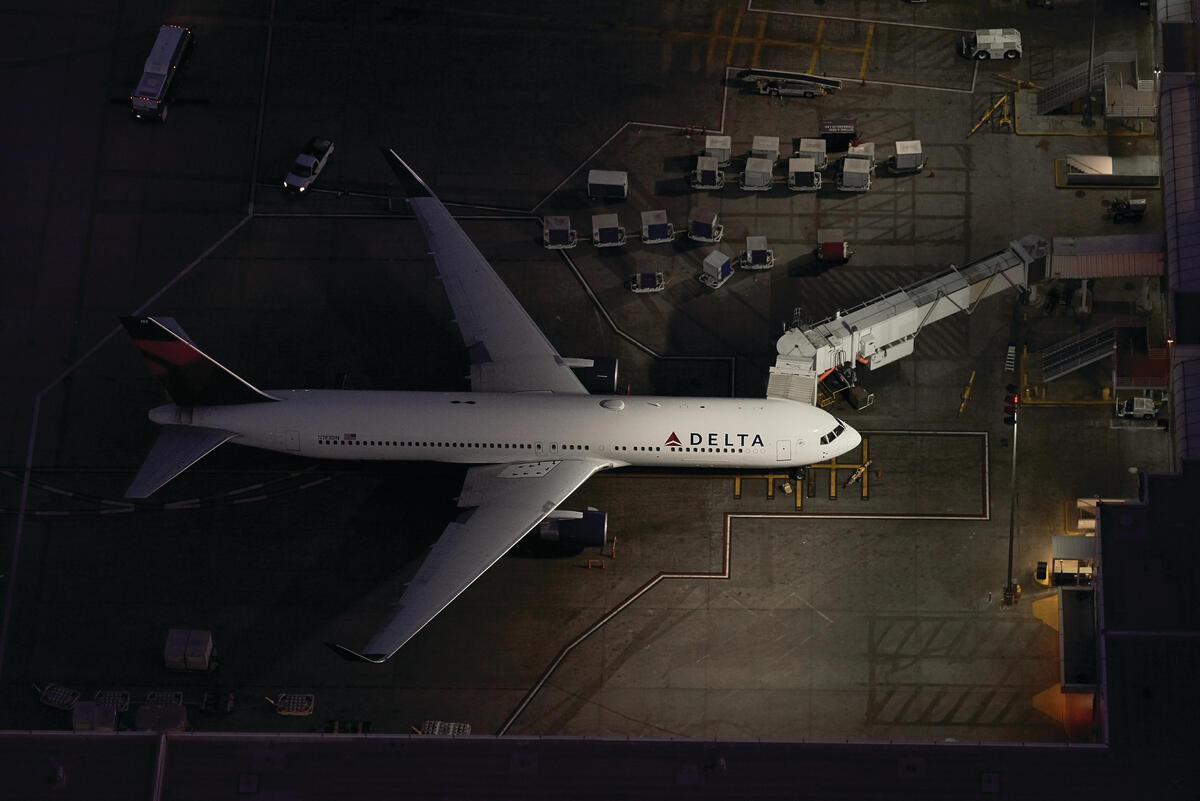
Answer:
(575, 530)
(598, 376)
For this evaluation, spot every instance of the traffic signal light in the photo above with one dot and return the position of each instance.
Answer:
(1010, 405)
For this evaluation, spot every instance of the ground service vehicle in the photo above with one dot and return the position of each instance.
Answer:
(308, 164)
(1137, 407)
(988, 43)
(1133, 209)
(789, 84)
(161, 73)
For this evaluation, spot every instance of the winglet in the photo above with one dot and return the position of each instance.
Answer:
(355, 656)
(410, 182)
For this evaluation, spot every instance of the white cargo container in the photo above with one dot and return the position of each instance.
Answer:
(704, 226)
(707, 174)
(655, 228)
(757, 256)
(199, 650)
(908, 158)
(92, 716)
(189, 649)
(608, 184)
(814, 149)
(865, 150)
(765, 147)
(803, 175)
(557, 233)
(758, 175)
(719, 148)
(716, 270)
(642, 283)
(607, 231)
(858, 166)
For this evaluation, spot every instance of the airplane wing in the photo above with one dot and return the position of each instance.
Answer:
(509, 353)
(504, 503)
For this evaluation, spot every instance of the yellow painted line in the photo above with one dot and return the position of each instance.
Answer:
(758, 42)
(1046, 610)
(714, 35)
(737, 486)
(733, 37)
(1036, 402)
(1051, 704)
(862, 73)
(843, 48)
(659, 33)
(812, 64)
(833, 468)
(867, 471)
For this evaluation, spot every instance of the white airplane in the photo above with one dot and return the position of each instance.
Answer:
(529, 427)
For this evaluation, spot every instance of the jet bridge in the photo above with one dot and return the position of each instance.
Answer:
(883, 330)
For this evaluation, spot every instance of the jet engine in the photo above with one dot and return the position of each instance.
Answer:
(598, 375)
(574, 531)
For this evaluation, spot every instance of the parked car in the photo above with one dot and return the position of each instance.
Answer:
(308, 165)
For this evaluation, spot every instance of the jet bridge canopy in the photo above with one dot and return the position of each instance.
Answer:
(883, 330)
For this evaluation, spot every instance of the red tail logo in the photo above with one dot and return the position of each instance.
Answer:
(673, 441)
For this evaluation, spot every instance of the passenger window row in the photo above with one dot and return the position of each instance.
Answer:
(394, 444)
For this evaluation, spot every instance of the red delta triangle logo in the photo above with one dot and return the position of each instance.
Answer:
(673, 441)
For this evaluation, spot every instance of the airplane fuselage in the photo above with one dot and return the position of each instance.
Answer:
(490, 428)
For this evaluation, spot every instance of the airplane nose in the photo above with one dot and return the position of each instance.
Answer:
(852, 437)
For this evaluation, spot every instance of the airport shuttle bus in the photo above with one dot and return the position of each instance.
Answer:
(160, 75)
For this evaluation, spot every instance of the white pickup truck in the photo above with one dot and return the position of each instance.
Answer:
(1137, 407)
(308, 165)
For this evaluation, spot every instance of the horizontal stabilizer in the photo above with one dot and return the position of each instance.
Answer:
(176, 449)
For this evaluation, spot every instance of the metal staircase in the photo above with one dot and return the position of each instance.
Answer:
(1089, 347)
(1071, 85)
(793, 383)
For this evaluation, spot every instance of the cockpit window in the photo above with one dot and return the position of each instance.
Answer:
(834, 434)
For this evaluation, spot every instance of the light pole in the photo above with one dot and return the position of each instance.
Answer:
(1010, 590)
(1088, 120)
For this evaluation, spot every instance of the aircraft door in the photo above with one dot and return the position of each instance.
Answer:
(293, 440)
(783, 450)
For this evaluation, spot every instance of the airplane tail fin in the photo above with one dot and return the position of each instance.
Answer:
(176, 449)
(189, 375)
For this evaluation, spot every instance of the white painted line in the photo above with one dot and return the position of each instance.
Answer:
(826, 617)
(750, 7)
